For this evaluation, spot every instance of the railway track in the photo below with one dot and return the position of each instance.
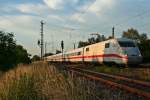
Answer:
(132, 86)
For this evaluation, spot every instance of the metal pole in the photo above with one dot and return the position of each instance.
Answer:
(113, 32)
(42, 40)
(74, 44)
(45, 48)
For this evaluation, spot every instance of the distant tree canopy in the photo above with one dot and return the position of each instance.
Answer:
(48, 54)
(58, 51)
(92, 40)
(35, 58)
(132, 34)
(142, 40)
(11, 54)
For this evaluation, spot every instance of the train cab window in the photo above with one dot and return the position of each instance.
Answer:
(87, 49)
(107, 45)
(126, 44)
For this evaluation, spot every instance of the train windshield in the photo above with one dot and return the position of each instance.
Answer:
(126, 44)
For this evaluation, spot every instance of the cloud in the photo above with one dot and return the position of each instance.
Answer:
(23, 24)
(100, 5)
(54, 4)
(62, 4)
(55, 17)
(92, 9)
(78, 17)
(25, 28)
(32, 8)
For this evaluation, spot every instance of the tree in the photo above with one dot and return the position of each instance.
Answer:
(48, 54)
(145, 50)
(7, 50)
(21, 55)
(132, 34)
(36, 58)
(92, 40)
(58, 51)
(11, 54)
(82, 44)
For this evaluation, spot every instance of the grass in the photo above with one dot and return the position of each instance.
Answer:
(41, 81)
(138, 73)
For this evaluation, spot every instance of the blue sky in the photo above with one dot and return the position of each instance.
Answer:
(71, 20)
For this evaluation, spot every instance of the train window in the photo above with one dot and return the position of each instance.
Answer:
(126, 44)
(75, 53)
(79, 53)
(87, 49)
(107, 45)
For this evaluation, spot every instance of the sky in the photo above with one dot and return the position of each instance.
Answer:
(70, 20)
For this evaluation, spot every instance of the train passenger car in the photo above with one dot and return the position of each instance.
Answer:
(54, 58)
(119, 51)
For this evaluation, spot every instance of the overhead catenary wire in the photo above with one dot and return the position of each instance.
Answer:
(71, 29)
(122, 22)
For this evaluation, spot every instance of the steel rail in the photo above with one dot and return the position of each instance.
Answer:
(114, 84)
(145, 84)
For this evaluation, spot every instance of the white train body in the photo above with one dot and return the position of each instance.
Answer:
(119, 51)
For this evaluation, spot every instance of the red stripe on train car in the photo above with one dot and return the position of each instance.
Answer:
(100, 56)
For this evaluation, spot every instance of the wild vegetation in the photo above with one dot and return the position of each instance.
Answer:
(41, 81)
(11, 54)
(35, 82)
(136, 73)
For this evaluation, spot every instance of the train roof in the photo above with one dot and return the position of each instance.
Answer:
(113, 39)
(124, 39)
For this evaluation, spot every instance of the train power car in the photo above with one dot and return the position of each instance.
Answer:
(118, 51)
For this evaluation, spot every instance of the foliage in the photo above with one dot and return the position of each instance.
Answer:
(92, 40)
(58, 51)
(42, 81)
(82, 44)
(132, 34)
(142, 40)
(137, 73)
(35, 58)
(21, 55)
(145, 50)
(48, 54)
(11, 54)
(7, 49)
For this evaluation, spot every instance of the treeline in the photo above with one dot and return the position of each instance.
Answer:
(92, 40)
(11, 54)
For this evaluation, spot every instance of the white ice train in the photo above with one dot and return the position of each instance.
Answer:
(119, 51)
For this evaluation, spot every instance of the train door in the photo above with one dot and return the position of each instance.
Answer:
(83, 55)
(87, 51)
(106, 52)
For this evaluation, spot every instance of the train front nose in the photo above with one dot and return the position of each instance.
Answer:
(134, 59)
(134, 56)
